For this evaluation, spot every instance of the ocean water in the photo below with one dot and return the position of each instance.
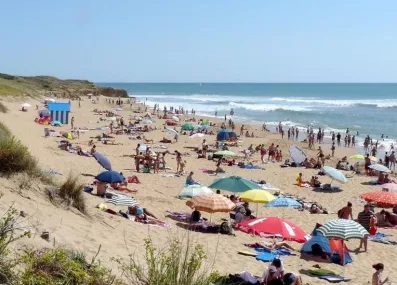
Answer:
(370, 109)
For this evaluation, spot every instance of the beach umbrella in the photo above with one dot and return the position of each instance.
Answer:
(343, 229)
(147, 122)
(196, 136)
(211, 203)
(188, 127)
(381, 198)
(142, 147)
(123, 200)
(257, 196)
(175, 118)
(225, 153)
(44, 113)
(390, 186)
(379, 167)
(194, 190)
(171, 132)
(110, 176)
(103, 160)
(362, 157)
(56, 123)
(297, 154)
(26, 105)
(284, 202)
(334, 174)
(234, 184)
(171, 122)
(49, 100)
(117, 109)
(275, 227)
(204, 127)
(67, 135)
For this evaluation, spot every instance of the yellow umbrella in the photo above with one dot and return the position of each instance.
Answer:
(257, 196)
(362, 157)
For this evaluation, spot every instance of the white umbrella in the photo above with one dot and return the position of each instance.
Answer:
(335, 174)
(49, 99)
(197, 135)
(26, 105)
(171, 132)
(379, 167)
(175, 118)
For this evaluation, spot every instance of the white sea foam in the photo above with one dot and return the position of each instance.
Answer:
(269, 107)
(380, 103)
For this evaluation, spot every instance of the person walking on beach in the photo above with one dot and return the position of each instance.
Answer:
(333, 149)
(242, 130)
(297, 133)
(338, 136)
(387, 159)
(353, 141)
(346, 212)
(392, 160)
(364, 219)
(72, 123)
(367, 163)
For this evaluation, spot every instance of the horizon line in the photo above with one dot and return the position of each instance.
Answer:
(225, 82)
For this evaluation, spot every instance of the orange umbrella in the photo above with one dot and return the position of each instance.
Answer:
(211, 203)
(382, 198)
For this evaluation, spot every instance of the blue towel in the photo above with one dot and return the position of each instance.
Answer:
(266, 256)
(281, 251)
(373, 182)
(381, 235)
(51, 172)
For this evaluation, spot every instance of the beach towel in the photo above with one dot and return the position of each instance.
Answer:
(281, 251)
(267, 256)
(327, 187)
(253, 167)
(334, 278)
(133, 179)
(51, 171)
(268, 186)
(178, 216)
(122, 200)
(247, 253)
(373, 182)
(170, 175)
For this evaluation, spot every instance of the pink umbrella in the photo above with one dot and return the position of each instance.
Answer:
(390, 186)
(273, 226)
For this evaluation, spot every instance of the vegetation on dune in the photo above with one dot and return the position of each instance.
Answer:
(70, 193)
(48, 85)
(3, 108)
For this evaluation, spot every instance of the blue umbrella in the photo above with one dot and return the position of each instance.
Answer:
(44, 113)
(56, 123)
(204, 127)
(284, 202)
(103, 161)
(110, 176)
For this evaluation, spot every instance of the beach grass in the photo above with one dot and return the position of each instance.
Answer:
(181, 262)
(70, 193)
(3, 108)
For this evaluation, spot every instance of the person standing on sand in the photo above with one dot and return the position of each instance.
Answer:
(333, 149)
(242, 130)
(72, 123)
(392, 160)
(364, 219)
(338, 136)
(346, 212)
(367, 163)
(296, 133)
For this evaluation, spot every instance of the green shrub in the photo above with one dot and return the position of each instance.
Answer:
(3, 108)
(62, 266)
(180, 263)
(14, 156)
(10, 231)
(70, 193)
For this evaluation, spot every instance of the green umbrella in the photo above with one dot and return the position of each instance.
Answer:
(343, 229)
(234, 184)
(188, 127)
(225, 153)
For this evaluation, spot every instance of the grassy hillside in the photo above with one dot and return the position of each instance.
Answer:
(46, 85)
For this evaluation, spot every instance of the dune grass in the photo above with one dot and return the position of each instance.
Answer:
(3, 108)
(70, 193)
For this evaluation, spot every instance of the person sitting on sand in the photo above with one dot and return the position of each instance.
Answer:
(93, 150)
(190, 180)
(391, 218)
(300, 181)
(147, 141)
(346, 212)
(377, 276)
(278, 274)
(381, 178)
(141, 217)
(387, 179)
(381, 220)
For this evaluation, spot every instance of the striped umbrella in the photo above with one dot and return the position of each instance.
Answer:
(195, 190)
(284, 202)
(211, 203)
(122, 200)
(379, 167)
(225, 153)
(343, 229)
(382, 198)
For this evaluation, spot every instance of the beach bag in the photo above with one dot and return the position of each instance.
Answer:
(373, 229)
(225, 229)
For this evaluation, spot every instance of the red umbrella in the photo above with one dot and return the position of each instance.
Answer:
(274, 226)
(171, 122)
(382, 198)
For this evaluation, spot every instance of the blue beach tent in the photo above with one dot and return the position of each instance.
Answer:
(332, 246)
(59, 112)
(224, 135)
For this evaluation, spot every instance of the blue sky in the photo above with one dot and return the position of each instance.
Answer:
(201, 41)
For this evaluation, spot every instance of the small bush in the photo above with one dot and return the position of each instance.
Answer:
(3, 108)
(70, 194)
(62, 266)
(14, 156)
(180, 263)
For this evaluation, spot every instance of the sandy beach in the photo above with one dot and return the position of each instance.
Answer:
(119, 236)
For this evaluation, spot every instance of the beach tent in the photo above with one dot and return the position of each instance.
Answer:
(224, 135)
(330, 246)
(59, 112)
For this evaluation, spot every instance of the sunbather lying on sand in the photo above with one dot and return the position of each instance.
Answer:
(146, 140)
(274, 245)
(141, 217)
(134, 209)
